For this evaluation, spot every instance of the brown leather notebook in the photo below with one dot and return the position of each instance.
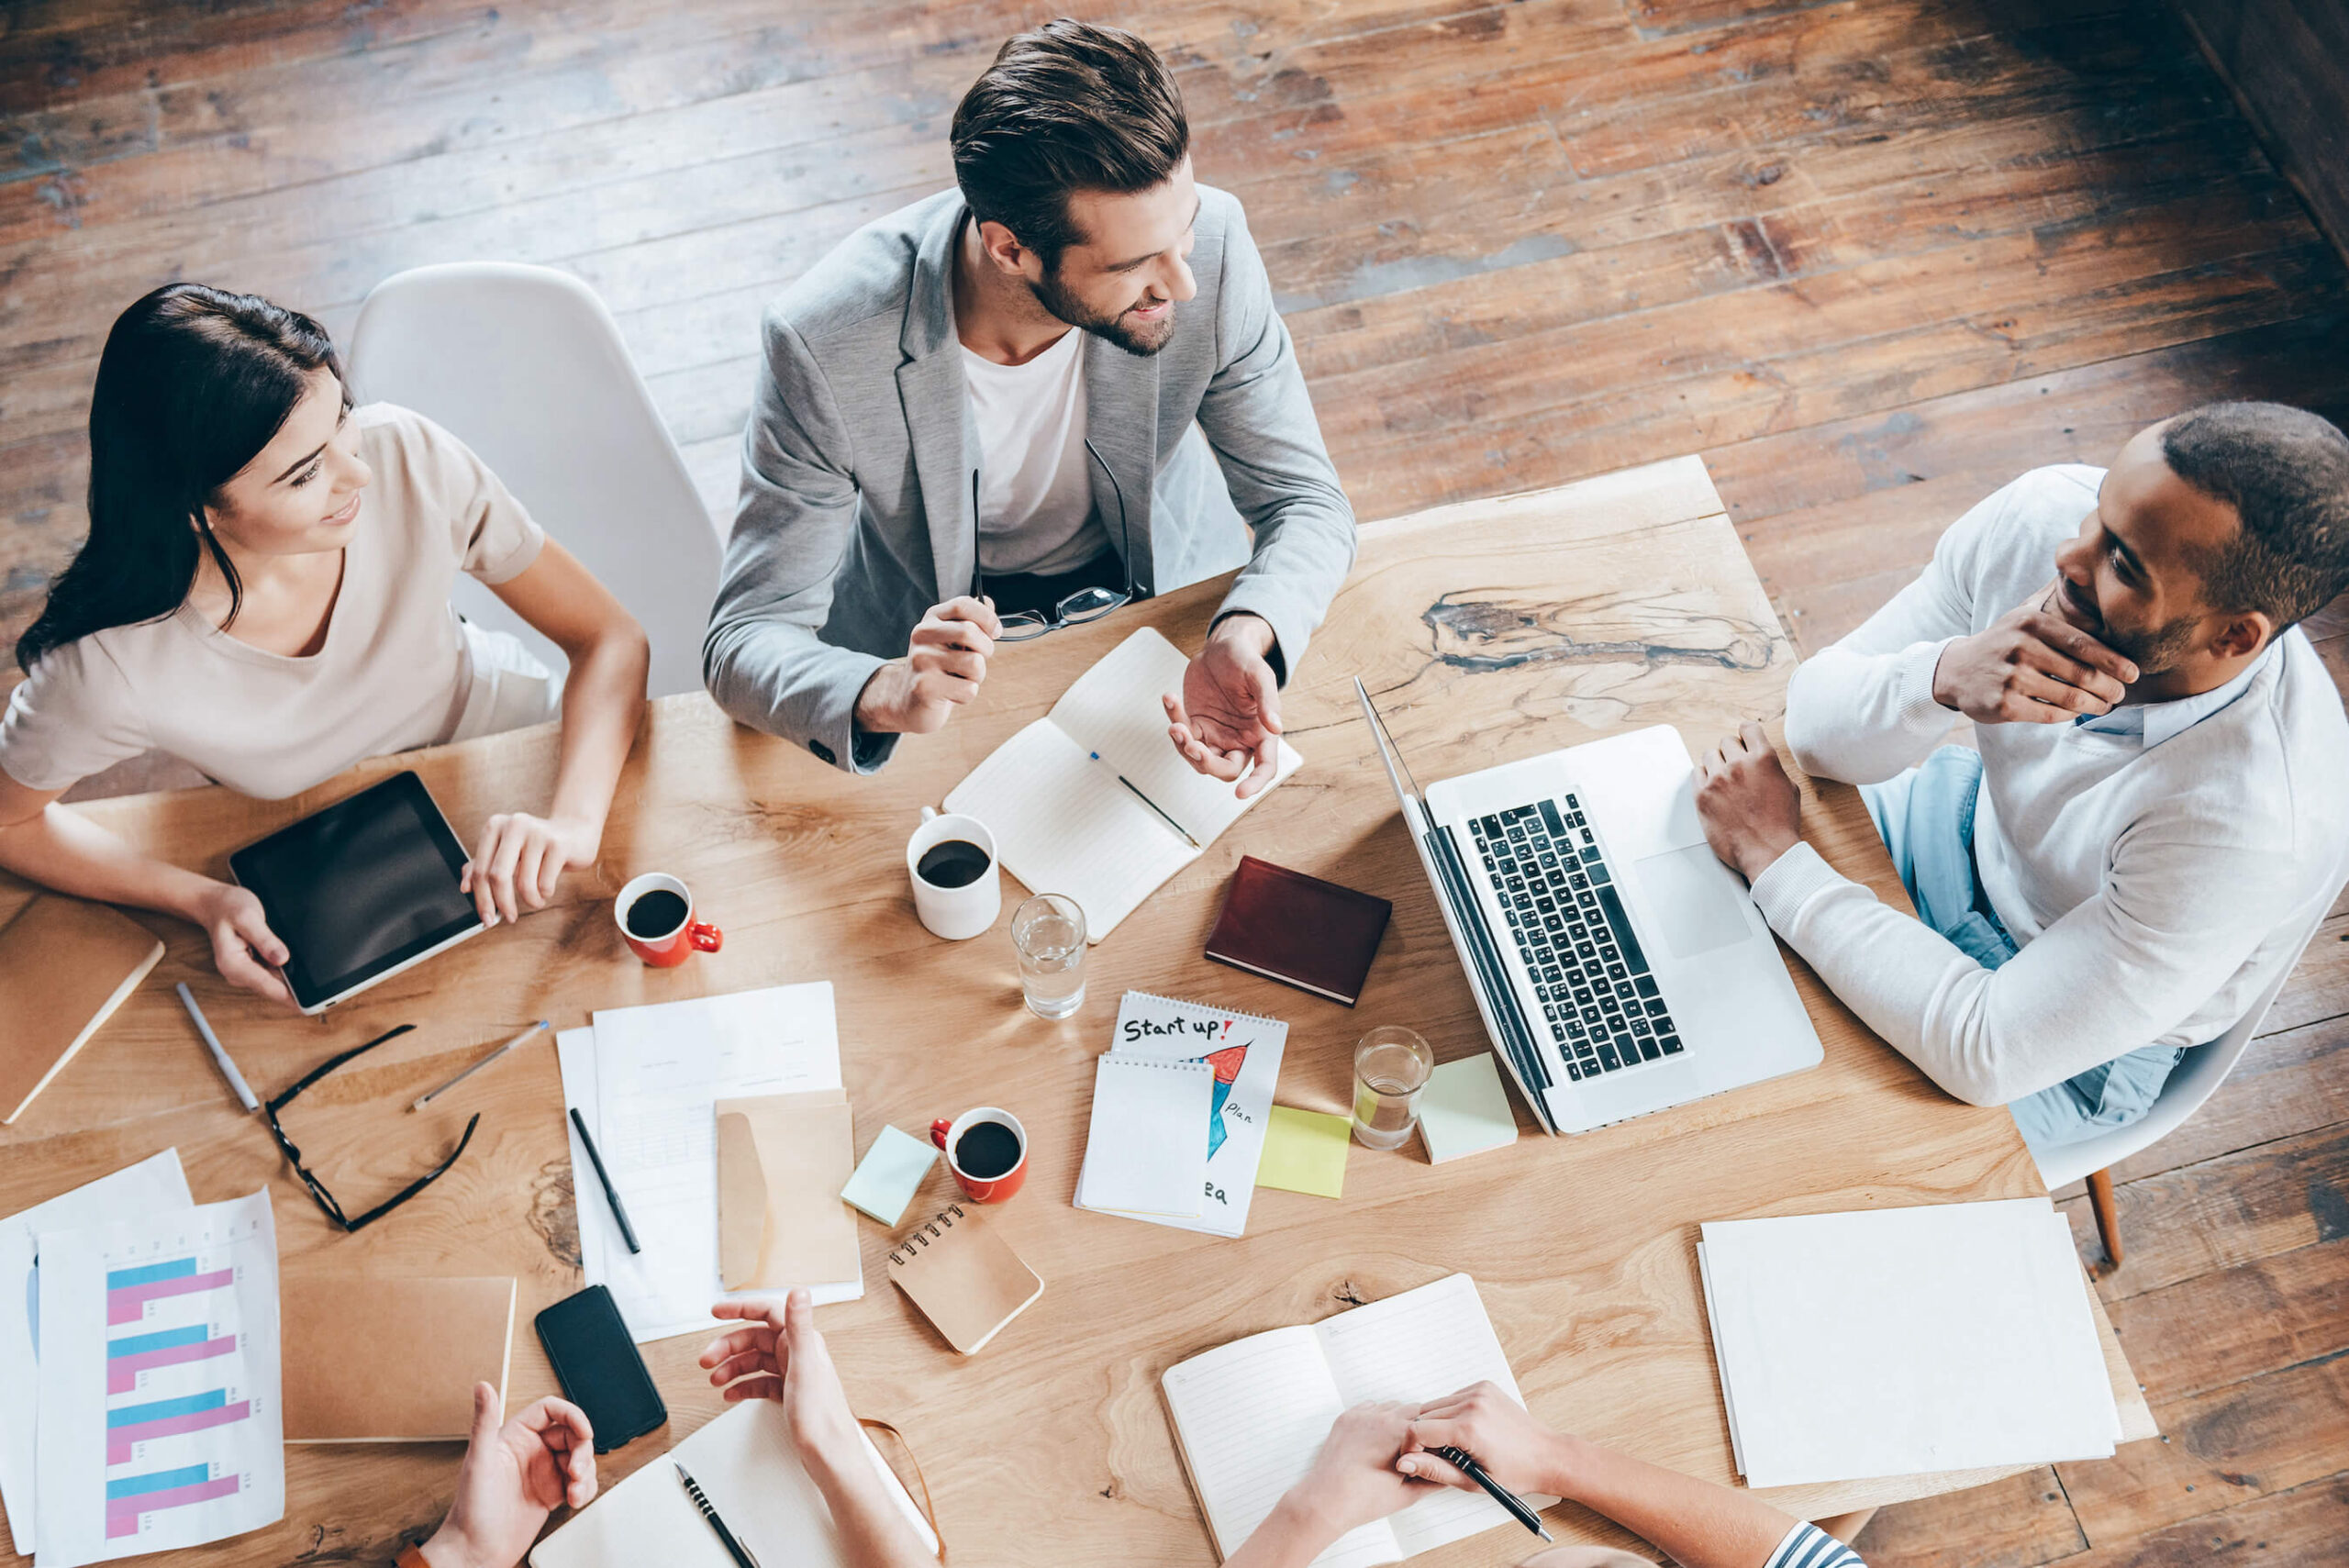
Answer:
(390, 1360)
(1299, 929)
(65, 965)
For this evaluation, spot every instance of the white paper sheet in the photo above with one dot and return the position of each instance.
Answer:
(646, 1080)
(1146, 1152)
(154, 1186)
(1897, 1341)
(160, 1422)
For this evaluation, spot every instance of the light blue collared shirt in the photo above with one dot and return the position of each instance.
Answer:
(2151, 723)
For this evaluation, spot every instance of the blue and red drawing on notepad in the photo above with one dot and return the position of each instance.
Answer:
(1227, 1062)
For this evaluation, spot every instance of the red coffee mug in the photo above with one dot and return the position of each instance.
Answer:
(681, 941)
(948, 1135)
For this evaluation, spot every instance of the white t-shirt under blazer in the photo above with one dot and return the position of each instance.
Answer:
(1035, 485)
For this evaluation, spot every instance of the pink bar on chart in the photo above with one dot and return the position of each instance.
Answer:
(122, 1513)
(119, 1439)
(128, 1303)
(122, 1374)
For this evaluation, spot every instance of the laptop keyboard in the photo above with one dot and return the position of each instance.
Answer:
(1599, 1000)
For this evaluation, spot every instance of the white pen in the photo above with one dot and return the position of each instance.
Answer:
(427, 1099)
(212, 1044)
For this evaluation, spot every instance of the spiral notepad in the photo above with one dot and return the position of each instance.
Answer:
(1241, 1053)
(964, 1277)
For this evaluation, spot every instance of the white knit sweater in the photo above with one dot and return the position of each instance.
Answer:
(2155, 889)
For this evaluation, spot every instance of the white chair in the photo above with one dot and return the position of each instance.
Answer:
(525, 366)
(2197, 1075)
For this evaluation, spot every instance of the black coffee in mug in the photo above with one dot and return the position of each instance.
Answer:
(952, 862)
(655, 915)
(986, 1149)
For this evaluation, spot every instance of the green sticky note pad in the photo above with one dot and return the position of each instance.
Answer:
(889, 1175)
(1463, 1110)
(1305, 1152)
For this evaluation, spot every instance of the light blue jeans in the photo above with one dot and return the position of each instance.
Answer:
(1926, 818)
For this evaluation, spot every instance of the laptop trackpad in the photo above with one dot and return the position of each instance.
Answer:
(1692, 898)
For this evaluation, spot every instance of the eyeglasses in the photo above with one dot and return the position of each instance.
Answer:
(1085, 604)
(325, 1199)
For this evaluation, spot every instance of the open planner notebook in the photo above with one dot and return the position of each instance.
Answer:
(1063, 823)
(1250, 1416)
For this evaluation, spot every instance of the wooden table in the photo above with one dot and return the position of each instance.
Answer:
(1487, 631)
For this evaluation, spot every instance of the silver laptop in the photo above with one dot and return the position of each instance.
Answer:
(1621, 967)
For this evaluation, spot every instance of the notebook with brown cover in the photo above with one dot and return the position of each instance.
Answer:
(964, 1277)
(391, 1359)
(65, 965)
(1299, 929)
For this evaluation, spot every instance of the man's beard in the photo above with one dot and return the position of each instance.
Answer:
(1135, 339)
(2152, 651)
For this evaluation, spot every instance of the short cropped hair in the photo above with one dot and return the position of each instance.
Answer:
(1071, 107)
(2285, 472)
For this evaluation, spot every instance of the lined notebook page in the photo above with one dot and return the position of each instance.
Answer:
(1063, 824)
(1416, 1347)
(1251, 1417)
(1115, 708)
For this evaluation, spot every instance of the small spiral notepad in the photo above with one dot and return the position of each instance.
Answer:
(964, 1277)
(1146, 1152)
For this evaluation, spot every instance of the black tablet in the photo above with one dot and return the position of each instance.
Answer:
(360, 890)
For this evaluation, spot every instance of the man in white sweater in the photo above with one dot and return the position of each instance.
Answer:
(2159, 808)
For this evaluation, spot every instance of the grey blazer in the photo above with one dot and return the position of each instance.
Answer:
(855, 510)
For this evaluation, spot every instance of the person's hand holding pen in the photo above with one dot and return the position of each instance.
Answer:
(1509, 1445)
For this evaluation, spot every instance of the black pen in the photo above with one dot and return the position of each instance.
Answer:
(1138, 794)
(628, 1231)
(735, 1549)
(1460, 1459)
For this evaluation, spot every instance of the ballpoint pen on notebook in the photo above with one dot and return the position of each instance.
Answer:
(1460, 1460)
(1152, 805)
(734, 1549)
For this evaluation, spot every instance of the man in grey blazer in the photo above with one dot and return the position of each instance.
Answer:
(1012, 406)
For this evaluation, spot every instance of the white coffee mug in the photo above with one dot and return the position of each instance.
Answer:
(954, 913)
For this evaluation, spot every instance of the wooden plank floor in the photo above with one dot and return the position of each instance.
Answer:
(1870, 258)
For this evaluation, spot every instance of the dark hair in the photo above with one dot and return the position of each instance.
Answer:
(194, 382)
(1071, 107)
(2285, 472)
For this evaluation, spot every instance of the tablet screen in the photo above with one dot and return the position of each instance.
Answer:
(360, 888)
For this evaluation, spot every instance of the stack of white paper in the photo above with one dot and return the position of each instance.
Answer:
(1903, 1340)
(1193, 1159)
(646, 1081)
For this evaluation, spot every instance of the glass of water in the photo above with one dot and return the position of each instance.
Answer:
(1048, 931)
(1391, 1066)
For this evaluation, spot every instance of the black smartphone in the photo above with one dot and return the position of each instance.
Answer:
(587, 1341)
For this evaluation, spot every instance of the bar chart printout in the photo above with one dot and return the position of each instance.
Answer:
(160, 1425)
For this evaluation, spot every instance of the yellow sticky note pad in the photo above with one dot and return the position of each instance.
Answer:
(1305, 1152)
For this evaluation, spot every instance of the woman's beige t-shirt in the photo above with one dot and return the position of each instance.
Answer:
(396, 669)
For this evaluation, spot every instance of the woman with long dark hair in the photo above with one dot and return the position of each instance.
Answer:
(265, 593)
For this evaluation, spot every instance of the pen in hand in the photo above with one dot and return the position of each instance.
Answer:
(1460, 1460)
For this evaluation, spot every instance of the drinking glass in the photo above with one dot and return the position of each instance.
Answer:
(1391, 1066)
(1048, 931)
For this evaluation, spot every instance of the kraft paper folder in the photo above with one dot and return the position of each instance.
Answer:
(782, 1162)
(391, 1360)
(65, 965)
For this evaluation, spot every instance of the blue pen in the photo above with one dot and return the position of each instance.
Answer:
(1153, 805)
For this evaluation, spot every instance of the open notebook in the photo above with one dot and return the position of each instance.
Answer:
(746, 1465)
(1250, 1416)
(1061, 822)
